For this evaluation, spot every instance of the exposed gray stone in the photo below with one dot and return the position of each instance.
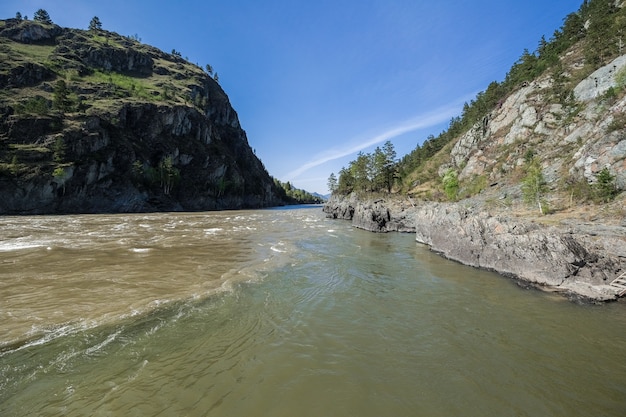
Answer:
(599, 81)
(569, 261)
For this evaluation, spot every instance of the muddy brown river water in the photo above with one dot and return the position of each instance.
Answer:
(283, 313)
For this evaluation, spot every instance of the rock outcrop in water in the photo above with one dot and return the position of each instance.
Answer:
(91, 121)
(552, 258)
(576, 260)
(375, 215)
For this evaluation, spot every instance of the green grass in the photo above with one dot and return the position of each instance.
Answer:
(33, 105)
(620, 78)
(28, 147)
(100, 39)
(618, 123)
(110, 41)
(21, 157)
(135, 87)
(473, 187)
(107, 86)
(36, 53)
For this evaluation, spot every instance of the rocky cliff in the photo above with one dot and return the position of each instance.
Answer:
(573, 141)
(91, 121)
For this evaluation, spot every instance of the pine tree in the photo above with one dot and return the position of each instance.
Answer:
(169, 175)
(361, 170)
(390, 165)
(42, 16)
(95, 24)
(346, 181)
(59, 150)
(451, 184)
(61, 99)
(332, 183)
(605, 186)
(534, 185)
(378, 162)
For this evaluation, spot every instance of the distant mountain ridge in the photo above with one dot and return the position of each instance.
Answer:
(91, 121)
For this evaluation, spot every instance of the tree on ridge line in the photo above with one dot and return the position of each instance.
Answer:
(42, 16)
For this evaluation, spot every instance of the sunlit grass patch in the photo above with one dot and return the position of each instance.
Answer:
(38, 53)
(136, 87)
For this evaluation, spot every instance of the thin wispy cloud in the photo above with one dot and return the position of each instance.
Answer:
(420, 122)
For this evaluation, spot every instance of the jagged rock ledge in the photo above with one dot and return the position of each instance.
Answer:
(574, 262)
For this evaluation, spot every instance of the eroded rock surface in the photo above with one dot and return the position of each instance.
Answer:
(573, 260)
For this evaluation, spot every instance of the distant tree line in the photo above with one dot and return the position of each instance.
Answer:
(40, 15)
(295, 195)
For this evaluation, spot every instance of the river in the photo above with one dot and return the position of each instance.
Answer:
(282, 312)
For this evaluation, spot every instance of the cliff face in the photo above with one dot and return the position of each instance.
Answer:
(573, 141)
(135, 129)
(374, 215)
(568, 261)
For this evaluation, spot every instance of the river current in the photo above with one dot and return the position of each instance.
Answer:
(282, 312)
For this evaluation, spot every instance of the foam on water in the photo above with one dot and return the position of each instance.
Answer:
(140, 250)
(8, 246)
(96, 348)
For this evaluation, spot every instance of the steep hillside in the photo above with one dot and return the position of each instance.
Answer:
(558, 118)
(91, 121)
(572, 144)
(551, 135)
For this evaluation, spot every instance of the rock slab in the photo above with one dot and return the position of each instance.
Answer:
(546, 257)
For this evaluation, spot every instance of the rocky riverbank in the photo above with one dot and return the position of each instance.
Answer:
(569, 257)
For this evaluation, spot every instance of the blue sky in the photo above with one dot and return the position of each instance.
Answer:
(315, 82)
